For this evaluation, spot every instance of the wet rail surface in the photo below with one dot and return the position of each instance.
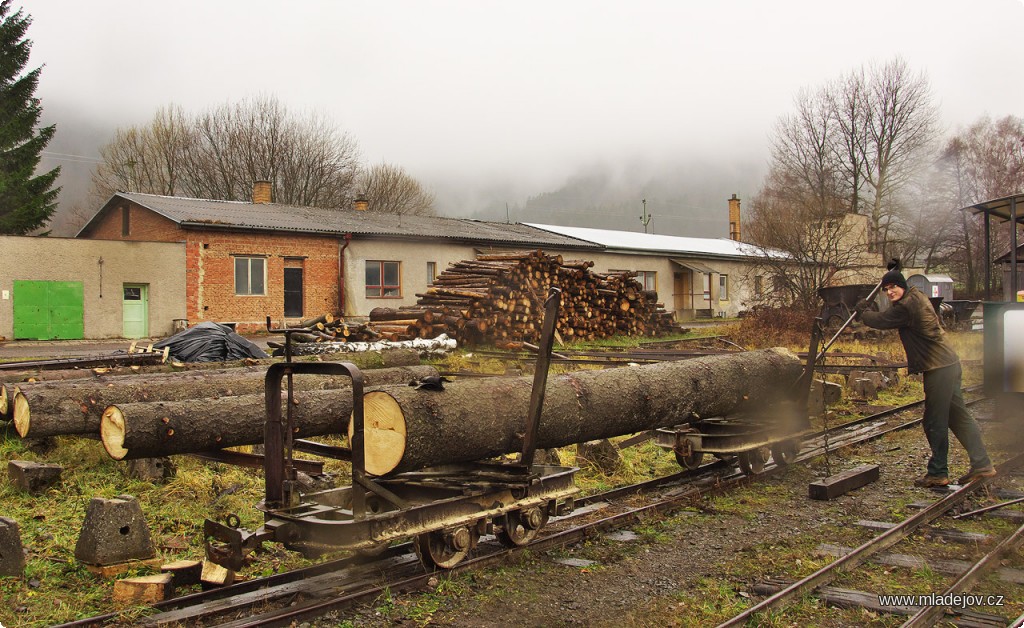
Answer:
(311, 592)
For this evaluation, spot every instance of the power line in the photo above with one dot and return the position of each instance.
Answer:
(72, 158)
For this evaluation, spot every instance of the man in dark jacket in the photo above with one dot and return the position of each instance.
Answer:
(912, 314)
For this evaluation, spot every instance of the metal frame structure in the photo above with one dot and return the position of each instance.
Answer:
(1008, 209)
(444, 508)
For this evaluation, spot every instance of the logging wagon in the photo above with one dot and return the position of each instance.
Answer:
(431, 463)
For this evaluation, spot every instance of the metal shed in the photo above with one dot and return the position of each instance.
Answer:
(933, 286)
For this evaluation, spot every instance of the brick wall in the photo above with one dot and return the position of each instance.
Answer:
(210, 267)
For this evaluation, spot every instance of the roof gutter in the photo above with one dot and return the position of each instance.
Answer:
(347, 239)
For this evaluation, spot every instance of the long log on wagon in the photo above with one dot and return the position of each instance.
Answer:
(54, 409)
(408, 429)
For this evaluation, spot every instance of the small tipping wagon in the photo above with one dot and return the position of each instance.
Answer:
(839, 302)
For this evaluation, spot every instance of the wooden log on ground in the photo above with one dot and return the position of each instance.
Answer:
(54, 409)
(5, 406)
(842, 483)
(409, 429)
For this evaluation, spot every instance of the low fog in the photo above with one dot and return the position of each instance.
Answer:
(568, 113)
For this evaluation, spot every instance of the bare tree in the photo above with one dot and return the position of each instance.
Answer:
(901, 125)
(851, 147)
(799, 217)
(981, 162)
(389, 189)
(149, 158)
(220, 153)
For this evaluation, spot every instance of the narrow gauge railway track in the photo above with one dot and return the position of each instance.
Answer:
(314, 591)
(926, 615)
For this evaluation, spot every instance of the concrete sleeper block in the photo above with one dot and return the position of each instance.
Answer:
(12, 553)
(33, 477)
(114, 531)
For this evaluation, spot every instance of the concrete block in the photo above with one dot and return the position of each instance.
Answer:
(154, 470)
(876, 378)
(601, 454)
(864, 389)
(823, 394)
(33, 477)
(12, 553)
(114, 531)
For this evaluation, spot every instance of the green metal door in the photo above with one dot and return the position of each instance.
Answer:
(135, 311)
(49, 310)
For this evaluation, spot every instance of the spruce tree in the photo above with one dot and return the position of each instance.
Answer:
(26, 201)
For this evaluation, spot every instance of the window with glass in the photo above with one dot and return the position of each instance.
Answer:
(431, 272)
(250, 276)
(648, 278)
(706, 280)
(758, 285)
(383, 279)
(723, 287)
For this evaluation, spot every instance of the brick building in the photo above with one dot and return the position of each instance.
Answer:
(245, 261)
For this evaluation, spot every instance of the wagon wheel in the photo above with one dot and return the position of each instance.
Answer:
(751, 462)
(519, 527)
(686, 456)
(443, 549)
(785, 452)
(690, 461)
(834, 322)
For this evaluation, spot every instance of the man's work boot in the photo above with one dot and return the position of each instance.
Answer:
(931, 481)
(977, 474)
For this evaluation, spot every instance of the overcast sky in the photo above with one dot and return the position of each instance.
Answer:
(515, 97)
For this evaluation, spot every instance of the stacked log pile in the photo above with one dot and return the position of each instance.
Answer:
(406, 323)
(499, 298)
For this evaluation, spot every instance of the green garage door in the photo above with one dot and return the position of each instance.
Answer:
(47, 310)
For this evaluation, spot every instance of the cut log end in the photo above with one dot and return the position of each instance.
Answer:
(3, 402)
(112, 432)
(21, 414)
(384, 432)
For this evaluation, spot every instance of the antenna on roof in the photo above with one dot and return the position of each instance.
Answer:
(646, 218)
(507, 220)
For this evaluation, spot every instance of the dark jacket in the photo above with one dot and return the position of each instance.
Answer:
(920, 331)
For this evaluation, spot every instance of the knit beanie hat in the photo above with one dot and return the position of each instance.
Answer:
(894, 277)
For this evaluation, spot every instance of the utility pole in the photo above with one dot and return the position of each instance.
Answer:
(646, 218)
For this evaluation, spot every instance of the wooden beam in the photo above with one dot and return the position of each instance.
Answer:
(843, 483)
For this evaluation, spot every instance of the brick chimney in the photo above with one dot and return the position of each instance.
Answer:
(360, 203)
(734, 218)
(261, 193)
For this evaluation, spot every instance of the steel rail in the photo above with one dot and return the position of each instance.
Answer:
(883, 541)
(706, 483)
(929, 615)
(708, 473)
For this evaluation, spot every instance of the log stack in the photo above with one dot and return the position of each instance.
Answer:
(499, 297)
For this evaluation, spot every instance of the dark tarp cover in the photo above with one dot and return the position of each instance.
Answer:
(209, 342)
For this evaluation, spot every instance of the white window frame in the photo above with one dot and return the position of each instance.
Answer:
(723, 287)
(648, 279)
(246, 291)
(431, 273)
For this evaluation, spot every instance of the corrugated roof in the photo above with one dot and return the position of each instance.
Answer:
(192, 212)
(671, 245)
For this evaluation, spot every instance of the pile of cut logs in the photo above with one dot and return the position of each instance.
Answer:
(385, 324)
(499, 297)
